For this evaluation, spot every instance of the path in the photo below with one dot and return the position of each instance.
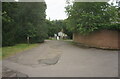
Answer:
(63, 59)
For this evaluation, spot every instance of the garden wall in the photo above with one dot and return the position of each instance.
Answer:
(102, 39)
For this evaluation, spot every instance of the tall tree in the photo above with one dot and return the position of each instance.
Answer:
(85, 17)
(22, 20)
(8, 23)
(32, 21)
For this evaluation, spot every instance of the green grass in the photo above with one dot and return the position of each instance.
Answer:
(11, 50)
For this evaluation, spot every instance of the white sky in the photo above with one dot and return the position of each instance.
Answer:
(55, 9)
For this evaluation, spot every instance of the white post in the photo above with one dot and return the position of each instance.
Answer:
(28, 38)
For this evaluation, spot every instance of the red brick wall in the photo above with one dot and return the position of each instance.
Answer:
(102, 39)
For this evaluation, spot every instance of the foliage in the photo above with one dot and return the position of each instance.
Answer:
(32, 21)
(110, 26)
(22, 20)
(0, 24)
(67, 29)
(8, 23)
(86, 17)
(51, 28)
(56, 26)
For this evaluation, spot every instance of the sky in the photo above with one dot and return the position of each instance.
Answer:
(55, 9)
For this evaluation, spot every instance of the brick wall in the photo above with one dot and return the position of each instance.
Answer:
(102, 39)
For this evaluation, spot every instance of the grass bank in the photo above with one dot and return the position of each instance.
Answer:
(11, 50)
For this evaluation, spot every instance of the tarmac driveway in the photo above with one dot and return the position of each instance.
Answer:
(62, 59)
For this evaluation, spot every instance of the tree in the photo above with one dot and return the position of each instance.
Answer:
(86, 17)
(56, 26)
(22, 20)
(8, 23)
(32, 21)
(0, 24)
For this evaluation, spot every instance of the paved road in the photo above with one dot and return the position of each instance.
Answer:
(63, 59)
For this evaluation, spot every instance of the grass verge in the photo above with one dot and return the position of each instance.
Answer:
(11, 50)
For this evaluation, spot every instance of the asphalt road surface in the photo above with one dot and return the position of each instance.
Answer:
(62, 59)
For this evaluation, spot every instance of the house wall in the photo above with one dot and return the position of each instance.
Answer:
(101, 39)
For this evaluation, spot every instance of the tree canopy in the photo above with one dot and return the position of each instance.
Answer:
(86, 17)
(22, 20)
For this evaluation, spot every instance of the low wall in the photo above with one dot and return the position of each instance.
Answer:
(101, 39)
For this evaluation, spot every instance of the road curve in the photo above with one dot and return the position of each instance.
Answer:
(63, 59)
